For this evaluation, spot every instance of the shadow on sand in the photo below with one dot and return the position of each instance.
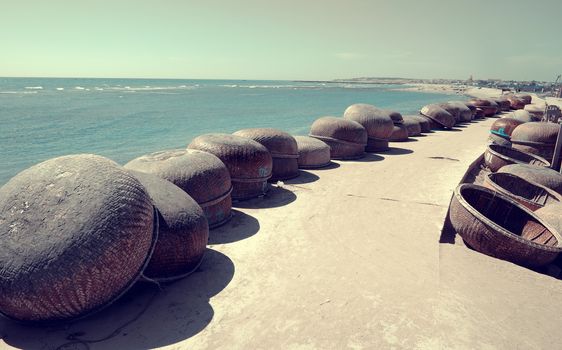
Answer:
(145, 317)
(240, 226)
(395, 151)
(275, 197)
(304, 177)
(369, 157)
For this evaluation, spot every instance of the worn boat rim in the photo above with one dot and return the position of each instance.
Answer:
(489, 180)
(217, 199)
(327, 138)
(283, 155)
(501, 230)
(491, 150)
(250, 179)
(315, 166)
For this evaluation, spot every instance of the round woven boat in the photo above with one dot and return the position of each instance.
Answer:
(395, 116)
(539, 174)
(439, 116)
(526, 98)
(77, 232)
(282, 147)
(452, 109)
(504, 127)
(313, 153)
(472, 109)
(432, 124)
(412, 126)
(479, 113)
(523, 116)
(535, 109)
(249, 163)
(498, 226)
(497, 156)
(399, 133)
(377, 122)
(424, 122)
(497, 140)
(488, 107)
(503, 103)
(465, 113)
(183, 231)
(530, 194)
(536, 137)
(201, 174)
(551, 215)
(515, 102)
(347, 139)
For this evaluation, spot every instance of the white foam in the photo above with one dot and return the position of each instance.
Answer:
(79, 88)
(60, 89)
(34, 87)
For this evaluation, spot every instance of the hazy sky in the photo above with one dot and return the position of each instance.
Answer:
(284, 39)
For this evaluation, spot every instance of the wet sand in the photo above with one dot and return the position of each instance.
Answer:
(345, 257)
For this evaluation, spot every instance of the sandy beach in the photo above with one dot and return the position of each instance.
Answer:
(344, 257)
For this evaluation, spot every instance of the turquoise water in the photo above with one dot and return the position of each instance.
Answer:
(125, 118)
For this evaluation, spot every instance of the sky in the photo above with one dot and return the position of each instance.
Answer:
(286, 40)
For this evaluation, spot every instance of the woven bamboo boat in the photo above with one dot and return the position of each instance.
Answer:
(526, 98)
(488, 107)
(282, 147)
(503, 127)
(465, 113)
(347, 139)
(412, 126)
(530, 194)
(453, 110)
(535, 109)
(377, 122)
(539, 174)
(399, 133)
(516, 102)
(498, 226)
(441, 117)
(201, 175)
(536, 137)
(183, 231)
(249, 163)
(313, 153)
(77, 232)
(424, 122)
(497, 156)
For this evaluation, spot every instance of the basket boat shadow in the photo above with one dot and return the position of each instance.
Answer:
(305, 177)
(276, 197)
(239, 227)
(145, 317)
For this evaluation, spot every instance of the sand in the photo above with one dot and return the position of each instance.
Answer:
(345, 257)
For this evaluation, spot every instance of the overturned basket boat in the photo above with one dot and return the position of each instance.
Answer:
(503, 127)
(313, 153)
(539, 174)
(498, 226)
(465, 113)
(347, 139)
(497, 156)
(281, 146)
(412, 126)
(201, 175)
(503, 103)
(183, 231)
(453, 110)
(488, 107)
(516, 102)
(530, 194)
(535, 109)
(377, 122)
(424, 122)
(526, 98)
(399, 133)
(77, 232)
(523, 116)
(248, 162)
(440, 116)
(536, 137)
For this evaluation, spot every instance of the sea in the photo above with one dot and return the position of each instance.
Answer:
(122, 119)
